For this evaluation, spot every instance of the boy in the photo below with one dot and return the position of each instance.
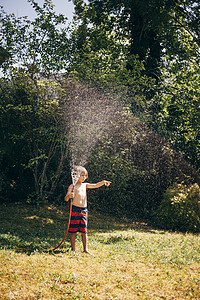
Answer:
(77, 192)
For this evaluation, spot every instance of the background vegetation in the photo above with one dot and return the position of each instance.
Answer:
(141, 69)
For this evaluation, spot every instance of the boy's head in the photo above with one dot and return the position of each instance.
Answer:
(76, 173)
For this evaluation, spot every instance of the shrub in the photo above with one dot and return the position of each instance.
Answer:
(118, 199)
(179, 209)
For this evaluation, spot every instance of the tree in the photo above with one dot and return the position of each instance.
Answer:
(149, 26)
(147, 52)
(42, 43)
(34, 144)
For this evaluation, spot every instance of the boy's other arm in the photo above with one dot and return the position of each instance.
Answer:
(70, 193)
(98, 184)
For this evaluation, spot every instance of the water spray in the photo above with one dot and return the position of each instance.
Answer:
(75, 173)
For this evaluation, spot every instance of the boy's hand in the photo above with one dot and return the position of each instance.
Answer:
(71, 195)
(107, 183)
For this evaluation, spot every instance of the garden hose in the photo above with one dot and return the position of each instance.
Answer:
(70, 211)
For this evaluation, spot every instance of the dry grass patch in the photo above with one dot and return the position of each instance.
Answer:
(129, 263)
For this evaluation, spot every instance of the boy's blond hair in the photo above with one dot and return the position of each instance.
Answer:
(79, 169)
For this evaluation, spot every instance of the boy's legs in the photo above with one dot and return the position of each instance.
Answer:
(84, 241)
(72, 239)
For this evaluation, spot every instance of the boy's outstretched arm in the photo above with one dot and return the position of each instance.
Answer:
(98, 184)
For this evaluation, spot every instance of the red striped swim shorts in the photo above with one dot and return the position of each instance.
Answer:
(79, 217)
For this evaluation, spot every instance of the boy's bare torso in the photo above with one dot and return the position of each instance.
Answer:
(80, 195)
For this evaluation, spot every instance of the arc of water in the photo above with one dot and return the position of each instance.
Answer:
(75, 176)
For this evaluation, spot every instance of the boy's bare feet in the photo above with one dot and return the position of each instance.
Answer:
(88, 252)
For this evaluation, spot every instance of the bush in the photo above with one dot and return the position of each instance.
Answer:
(119, 171)
(179, 209)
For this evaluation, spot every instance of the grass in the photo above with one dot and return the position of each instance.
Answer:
(132, 261)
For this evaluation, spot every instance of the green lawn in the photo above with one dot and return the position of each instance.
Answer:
(131, 261)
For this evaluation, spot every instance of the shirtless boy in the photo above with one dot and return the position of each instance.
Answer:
(79, 205)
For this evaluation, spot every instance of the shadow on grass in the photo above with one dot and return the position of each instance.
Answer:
(28, 229)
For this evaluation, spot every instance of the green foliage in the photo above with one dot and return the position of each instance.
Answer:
(33, 149)
(100, 58)
(145, 55)
(133, 192)
(179, 209)
(120, 171)
(178, 117)
(146, 29)
(39, 44)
